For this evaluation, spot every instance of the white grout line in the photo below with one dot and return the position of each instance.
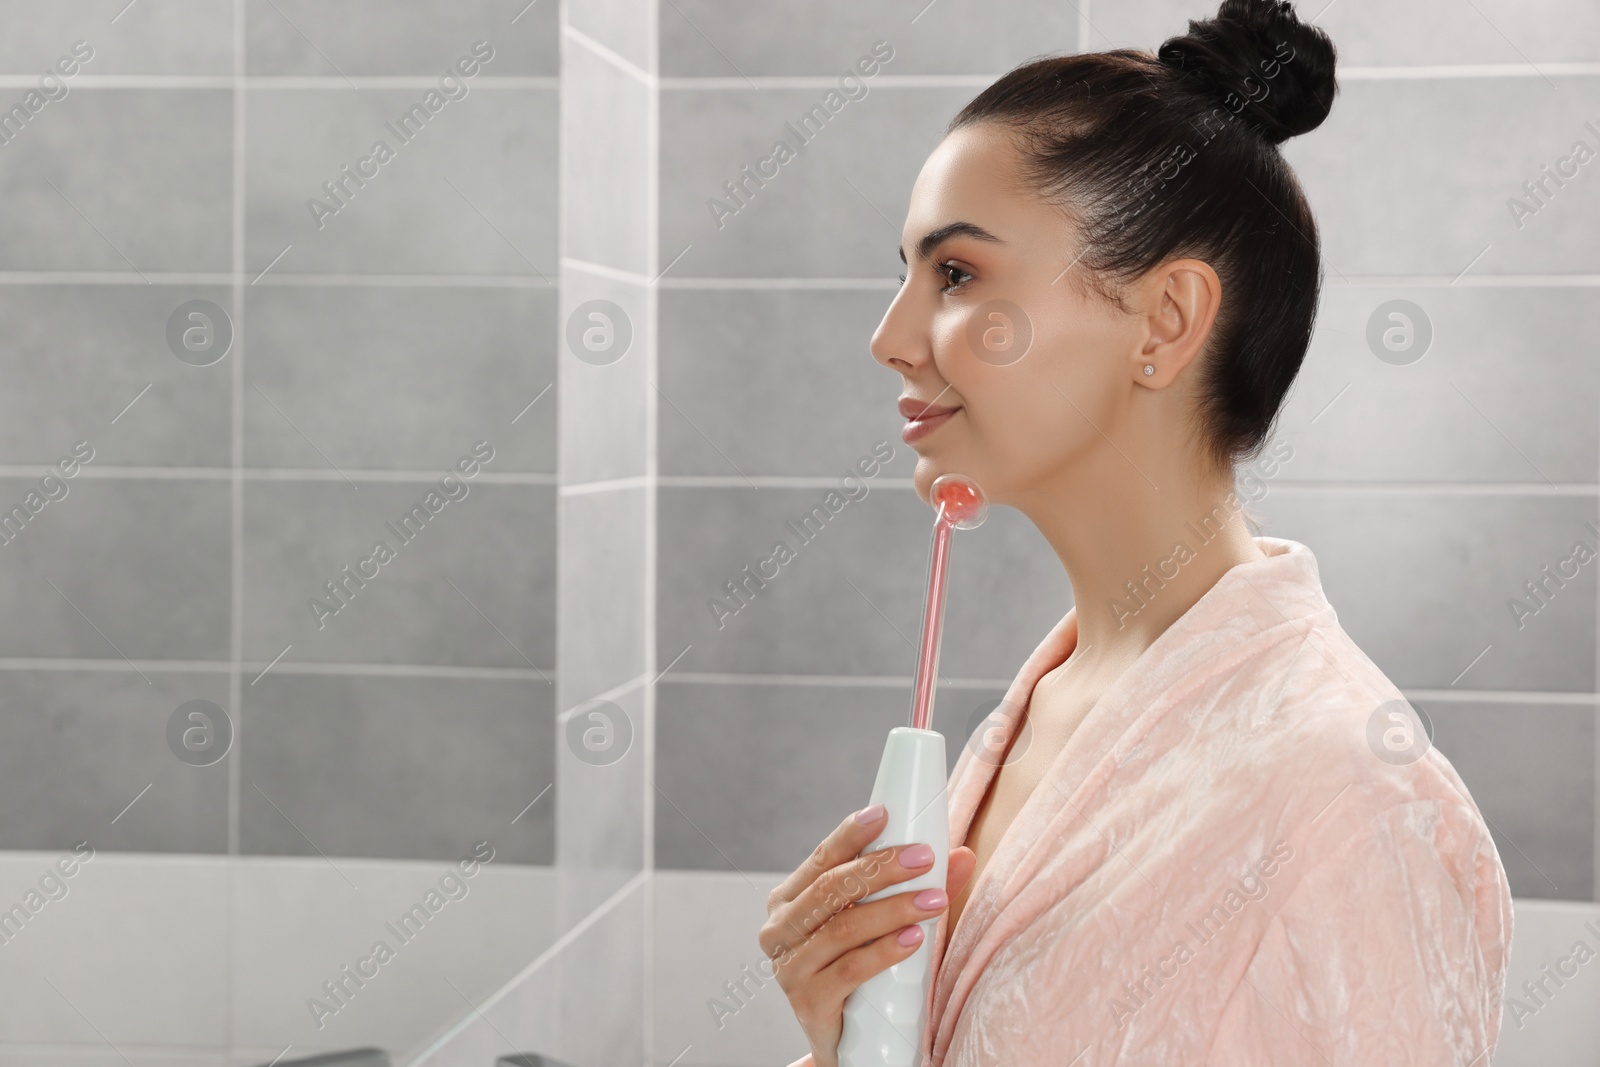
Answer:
(282, 81)
(338, 669)
(280, 474)
(530, 281)
(652, 467)
(279, 279)
(490, 82)
(236, 517)
(606, 486)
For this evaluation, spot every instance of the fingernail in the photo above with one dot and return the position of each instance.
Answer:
(910, 936)
(871, 814)
(917, 856)
(930, 899)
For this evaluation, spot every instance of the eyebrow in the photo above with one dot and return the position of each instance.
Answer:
(934, 238)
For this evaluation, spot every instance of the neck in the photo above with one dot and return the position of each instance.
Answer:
(1170, 533)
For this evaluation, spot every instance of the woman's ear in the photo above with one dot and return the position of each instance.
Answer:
(1180, 300)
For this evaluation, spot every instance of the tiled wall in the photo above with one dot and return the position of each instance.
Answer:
(369, 353)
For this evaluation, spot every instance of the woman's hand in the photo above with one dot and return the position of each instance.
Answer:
(824, 945)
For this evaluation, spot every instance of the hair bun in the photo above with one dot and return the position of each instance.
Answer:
(1272, 70)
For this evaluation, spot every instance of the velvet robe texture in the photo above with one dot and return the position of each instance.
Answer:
(1246, 854)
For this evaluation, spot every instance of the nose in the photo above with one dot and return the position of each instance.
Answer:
(901, 341)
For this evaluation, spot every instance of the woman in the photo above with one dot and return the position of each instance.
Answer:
(1203, 826)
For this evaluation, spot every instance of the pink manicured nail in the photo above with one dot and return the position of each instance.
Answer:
(871, 814)
(917, 856)
(930, 899)
(910, 936)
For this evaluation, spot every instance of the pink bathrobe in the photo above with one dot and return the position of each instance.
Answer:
(1236, 859)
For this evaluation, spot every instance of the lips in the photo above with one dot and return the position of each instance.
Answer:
(922, 418)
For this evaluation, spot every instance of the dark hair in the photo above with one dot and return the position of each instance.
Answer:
(1176, 154)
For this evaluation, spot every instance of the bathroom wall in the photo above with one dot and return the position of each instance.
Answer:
(1429, 490)
(346, 357)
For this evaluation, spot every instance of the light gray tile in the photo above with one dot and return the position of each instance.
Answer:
(602, 1010)
(397, 768)
(470, 192)
(626, 27)
(67, 385)
(1415, 176)
(774, 382)
(495, 545)
(602, 403)
(601, 599)
(728, 38)
(805, 220)
(136, 953)
(80, 746)
(705, 930)
(757, 775)
(165, 206)
(150, 37)
(1375, 33)
(850, 600)
(370, 37)
(602, 781)
(1422, 582)
(139, 569)
(1506, 391)
(399, 378)
(1530, 770)
(297, 923)
(606, 169)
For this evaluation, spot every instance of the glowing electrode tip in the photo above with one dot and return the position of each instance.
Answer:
(959, 500)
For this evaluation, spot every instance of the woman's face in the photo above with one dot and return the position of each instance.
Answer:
(988, 324)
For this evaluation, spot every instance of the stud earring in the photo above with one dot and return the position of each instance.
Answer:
(1149, 369)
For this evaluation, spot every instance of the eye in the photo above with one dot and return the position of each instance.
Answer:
(945, 270)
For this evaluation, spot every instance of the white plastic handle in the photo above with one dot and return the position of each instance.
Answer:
(885, 1017)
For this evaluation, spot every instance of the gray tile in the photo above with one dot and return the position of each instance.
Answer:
(1504, 393)
(601, 785)
(80, 746)
(603, 404)
(470, 192)
(774, 382)
(606, 169)
(370, 37)
(626, 27)
(729, 38)
(757, 775)
(806, 220)
(397, 768)
(1414, 176)
(140, 568)
(150, 37)
(495, 545)
(399, 378)
(1375, 33)
(166, 205)
(1530, 769)
(67, 385)
(1422, 582)
(601, 599)
(850, 600)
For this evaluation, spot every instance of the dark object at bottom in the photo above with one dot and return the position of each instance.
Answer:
(529, 1059)
(355, 1057)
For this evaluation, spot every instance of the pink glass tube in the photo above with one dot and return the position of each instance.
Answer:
(932, 622)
